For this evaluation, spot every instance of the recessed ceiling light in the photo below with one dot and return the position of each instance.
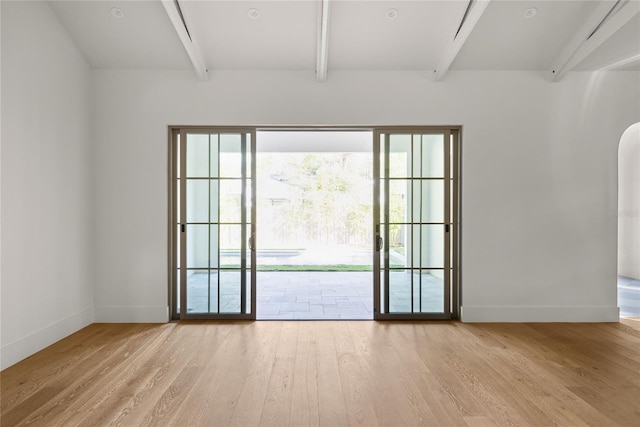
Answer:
(253, 13)
(117, 13)
(392, 13)
(531, 12)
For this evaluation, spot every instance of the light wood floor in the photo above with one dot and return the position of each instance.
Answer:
(331, 373)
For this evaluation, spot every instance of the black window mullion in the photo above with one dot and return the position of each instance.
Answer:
(219, 271)
(421, 225)
(243, 220)
(412, 149)
(386, 242)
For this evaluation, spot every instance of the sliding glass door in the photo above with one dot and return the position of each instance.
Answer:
(212, 226)
(415, 223)
(215, 223)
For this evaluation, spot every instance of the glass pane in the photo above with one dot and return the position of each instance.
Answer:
(230, 284)
(399, 200)
(451, 155)
(432, 156)
(400, 156)
(414, 246)
(197, 155)
(417, 156)
(230, 156)
(178, 201)
(451, 202)
(247, 274)
(432, 251)
(380, 253)
(397, 246)
(215, 161)
(247, 247)
(214, 208)
(177, 235)
(197, 246)
(382, 287)
(230, 198)
(248, 199)
(230, 246)
(197, 291)
(248, 156)
(429, 291)
(178, 171)
(382, 157)
(382, 199)
(399, 291)
(213, 248)
(197, 200)
(178, 291)
(429, 200)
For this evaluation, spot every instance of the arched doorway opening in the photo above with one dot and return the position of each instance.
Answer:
(628, 215)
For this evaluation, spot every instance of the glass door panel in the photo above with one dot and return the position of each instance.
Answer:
(215, 200)
(413, 220)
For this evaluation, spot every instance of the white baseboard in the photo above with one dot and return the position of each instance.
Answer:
(540, 314)
(11, 354)
(129, 314)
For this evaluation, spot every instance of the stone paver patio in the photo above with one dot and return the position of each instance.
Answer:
(316, 295)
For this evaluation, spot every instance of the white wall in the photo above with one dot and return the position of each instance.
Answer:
(628, 212)
(539, 174)
(47, 285)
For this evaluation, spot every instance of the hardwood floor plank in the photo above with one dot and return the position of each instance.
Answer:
(214, 394)
(169, 361)
(473, 377)
(19, 413)
(398, 379)
(131, 372)
(80, 384)
(479, 422)
(316, 373)
(254, 390)
(380, 394)
(174, 395)
(436, 339)
(545, 378)
(624, 410)
(332, 409)
(277, 404)
(356, 384)
(33, 373)
(304, 396)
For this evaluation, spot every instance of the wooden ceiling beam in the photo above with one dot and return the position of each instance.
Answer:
(469, 21)
(323, 41)
(172, 7)
(608, 17)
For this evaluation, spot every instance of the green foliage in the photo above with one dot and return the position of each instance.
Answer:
(330, 201)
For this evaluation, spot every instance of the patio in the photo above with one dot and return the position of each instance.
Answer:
(315, 294)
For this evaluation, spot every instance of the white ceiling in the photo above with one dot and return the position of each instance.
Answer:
(360, 36)
(505, 40)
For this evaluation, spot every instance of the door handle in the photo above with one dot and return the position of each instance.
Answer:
(379, 243)
(251, 247)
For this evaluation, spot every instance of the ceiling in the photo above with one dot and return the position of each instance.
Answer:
(226, 35)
